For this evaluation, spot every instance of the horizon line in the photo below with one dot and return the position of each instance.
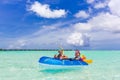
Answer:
(51, 49)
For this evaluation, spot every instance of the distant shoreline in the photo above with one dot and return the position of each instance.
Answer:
(52, 50)
(34, 49)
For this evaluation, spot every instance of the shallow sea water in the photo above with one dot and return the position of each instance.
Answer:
(23, 65)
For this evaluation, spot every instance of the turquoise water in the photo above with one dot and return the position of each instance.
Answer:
(23, 65)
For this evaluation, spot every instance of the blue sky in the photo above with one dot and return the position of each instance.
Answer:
(49, 24)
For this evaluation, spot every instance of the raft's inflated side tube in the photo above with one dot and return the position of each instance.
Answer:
(53, 61)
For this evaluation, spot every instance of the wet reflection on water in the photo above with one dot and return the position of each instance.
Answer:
(56, 71)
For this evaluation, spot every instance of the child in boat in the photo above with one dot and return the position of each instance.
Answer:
(77, 55)
(60, 55)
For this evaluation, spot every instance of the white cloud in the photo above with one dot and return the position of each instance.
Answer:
(115, 7)
(106, 21)
(82, 27)
(17, 44)
(51, 36)
(81, 14)
(102, 24)
(79, 36)
(78, 39)
(56, 33)
(90, 1)
(100, 5)
(43, 10)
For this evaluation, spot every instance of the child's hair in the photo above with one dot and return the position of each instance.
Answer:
(77, 51)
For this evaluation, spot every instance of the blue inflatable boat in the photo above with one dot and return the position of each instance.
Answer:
(54, 61)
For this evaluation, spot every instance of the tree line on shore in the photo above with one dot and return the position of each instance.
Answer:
(33, 49)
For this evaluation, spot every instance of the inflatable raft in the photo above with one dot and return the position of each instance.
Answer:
(54, 61)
